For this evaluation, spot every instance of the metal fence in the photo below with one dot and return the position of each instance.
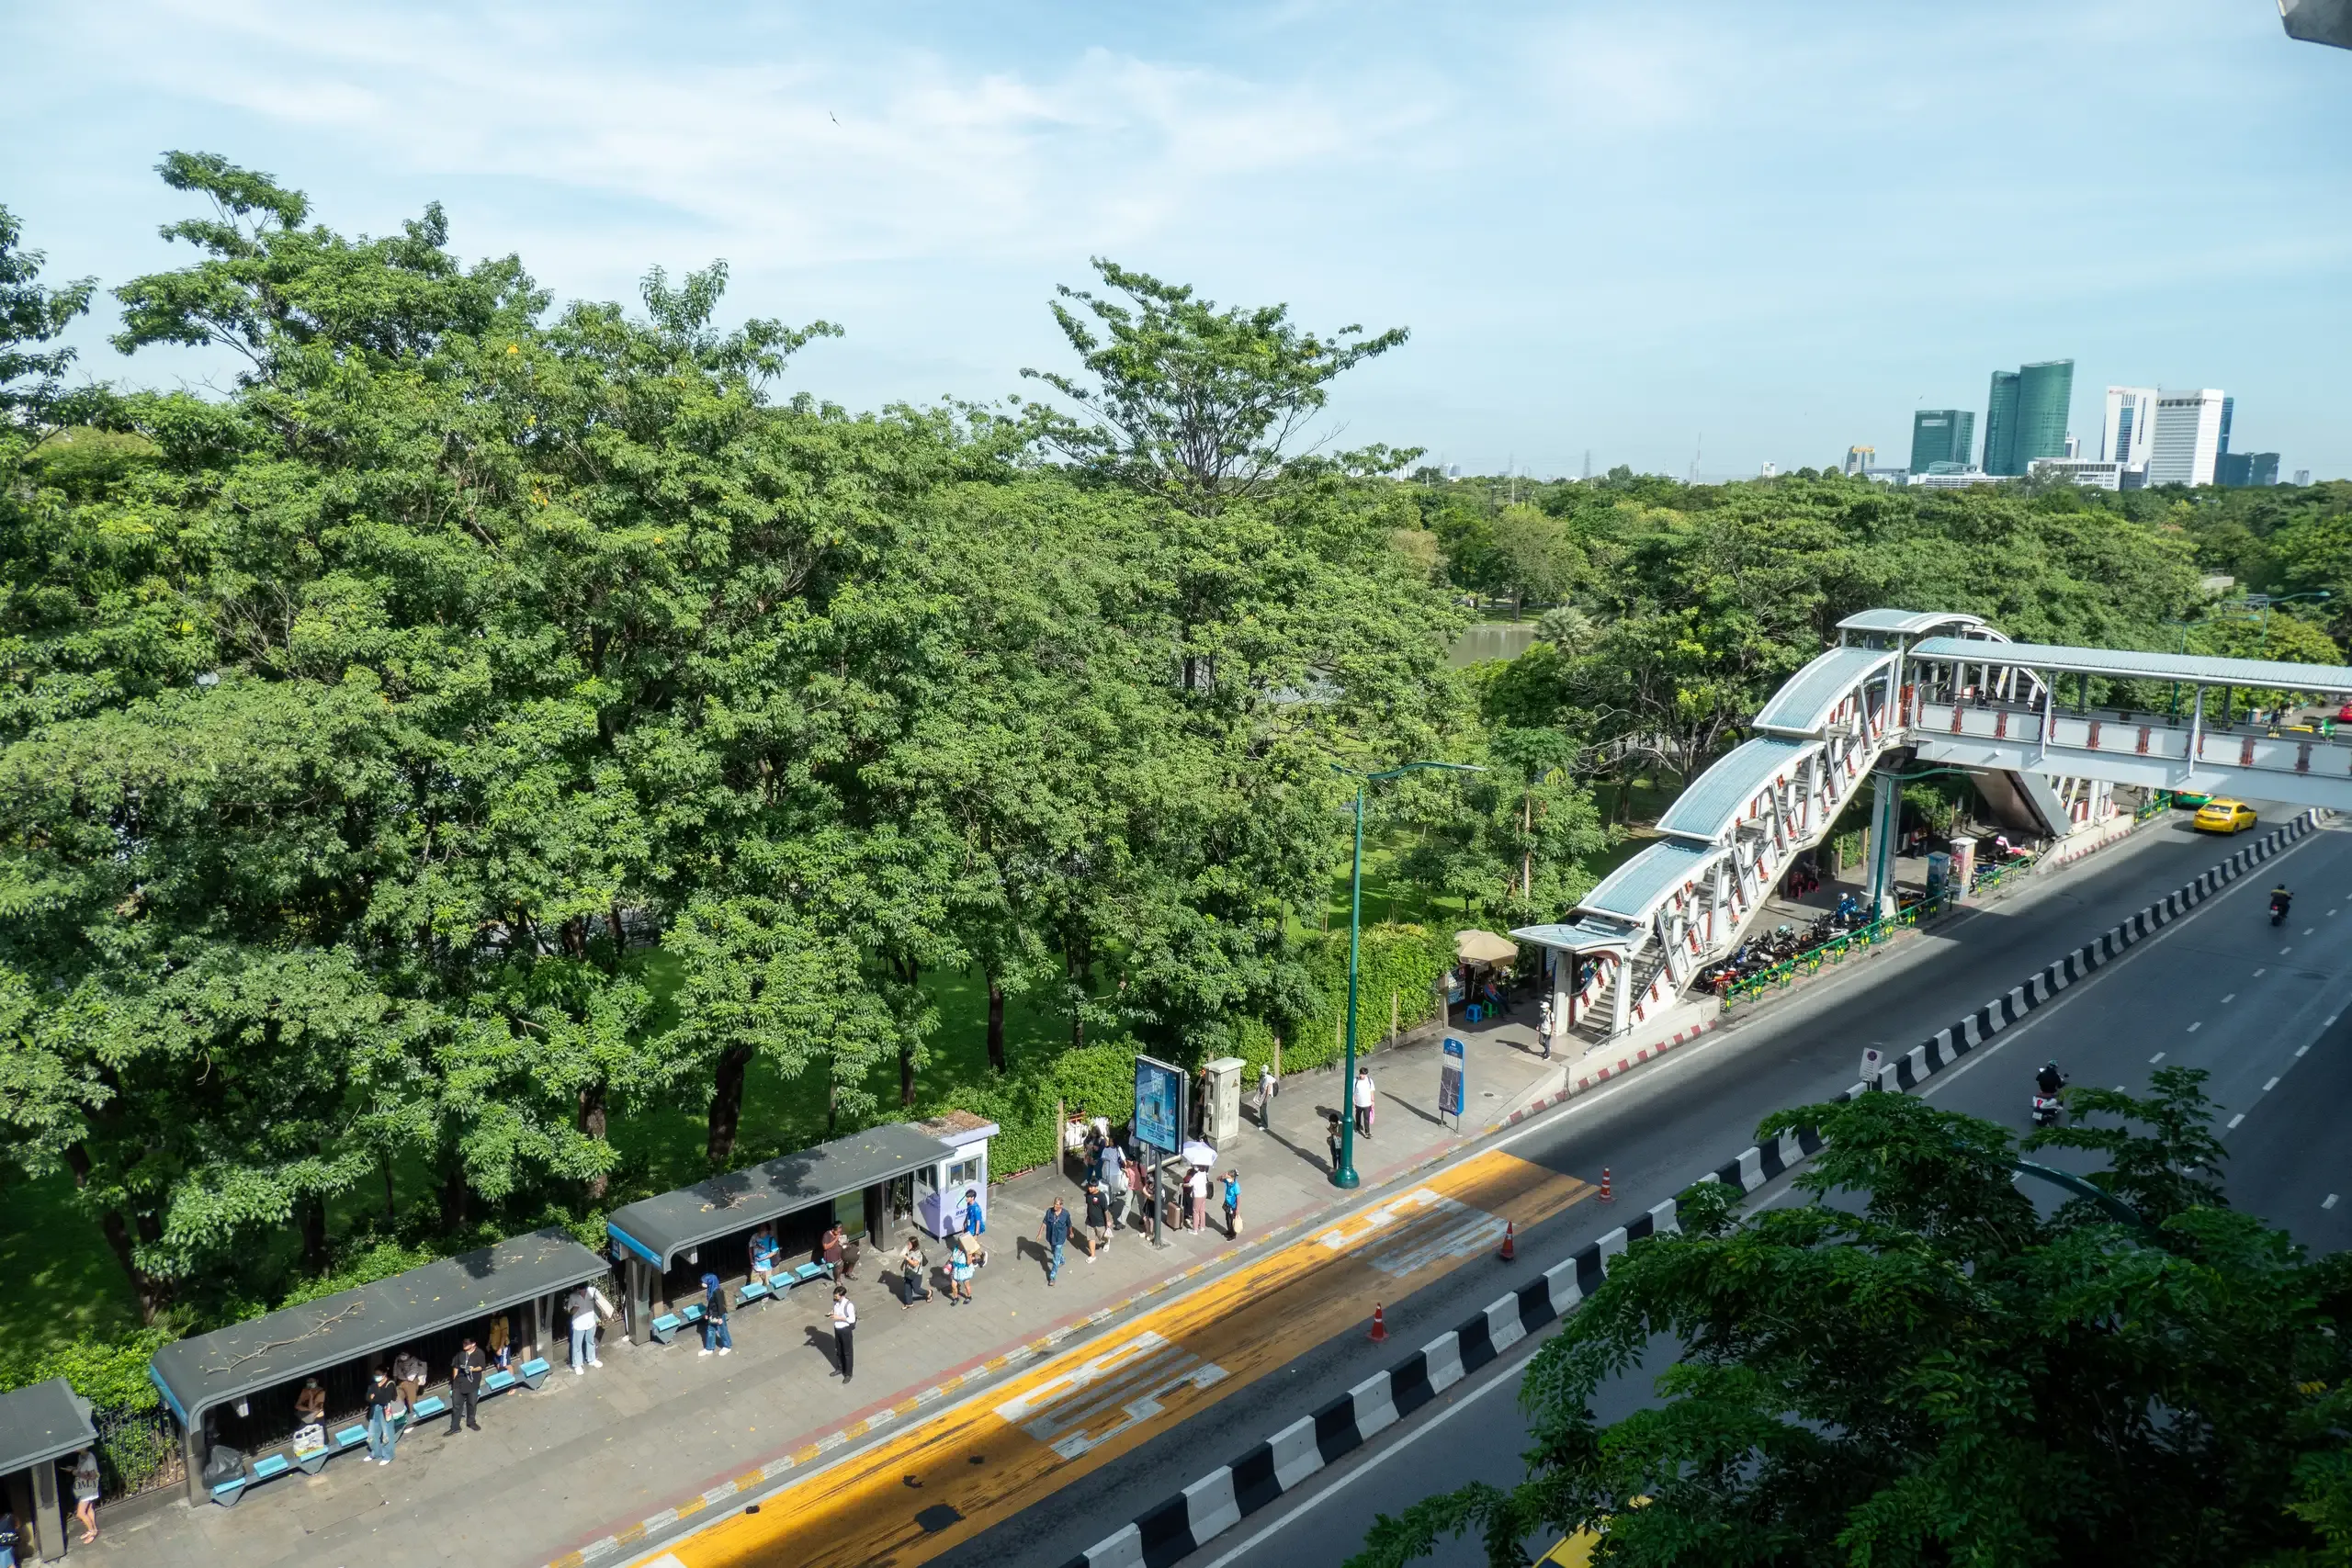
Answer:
(139, 1451)
(1839, 947)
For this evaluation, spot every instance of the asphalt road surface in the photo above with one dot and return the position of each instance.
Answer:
(2268, 1011)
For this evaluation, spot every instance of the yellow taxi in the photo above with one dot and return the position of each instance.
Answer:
(2224, 815)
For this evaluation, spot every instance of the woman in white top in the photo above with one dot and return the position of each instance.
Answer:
(1364, 1103)
(87, 1487)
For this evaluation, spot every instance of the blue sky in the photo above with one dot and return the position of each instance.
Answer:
(1621, 228)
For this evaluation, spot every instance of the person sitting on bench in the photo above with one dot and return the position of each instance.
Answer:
(764, 1254)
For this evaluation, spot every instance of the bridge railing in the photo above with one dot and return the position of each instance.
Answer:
(2153, 737)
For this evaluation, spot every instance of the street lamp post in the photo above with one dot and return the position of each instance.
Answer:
(1343, 1175)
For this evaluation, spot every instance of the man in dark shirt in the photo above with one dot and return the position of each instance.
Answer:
(464, 1385)
(1055, 1234)
(1097, 1217)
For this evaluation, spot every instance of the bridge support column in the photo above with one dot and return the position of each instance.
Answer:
(1887, 821)
(1620, 1015)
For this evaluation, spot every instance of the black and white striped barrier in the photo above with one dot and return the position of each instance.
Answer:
(1226, 1495)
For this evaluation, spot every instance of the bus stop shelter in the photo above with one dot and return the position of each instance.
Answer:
(40, 1425)
(667, 1243)
(236, 1385)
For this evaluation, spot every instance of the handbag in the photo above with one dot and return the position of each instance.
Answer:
(395, 1410)
(309, 1437)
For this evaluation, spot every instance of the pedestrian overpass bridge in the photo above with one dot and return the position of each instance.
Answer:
(1946, 690)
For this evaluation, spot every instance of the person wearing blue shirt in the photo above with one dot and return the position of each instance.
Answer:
(1232, 1205)
(975, 1222)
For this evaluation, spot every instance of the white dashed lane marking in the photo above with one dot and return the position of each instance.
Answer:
(2271, 1084)
(2260, 973)
(2198, 1025)
(2233, 1122)
(2155, 1059)
(2228, 999)
(2329, 1202)
(2300, 1049)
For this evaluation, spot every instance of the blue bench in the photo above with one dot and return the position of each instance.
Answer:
(757, 1291)
(534, 1371)
(497, 1382)
(801, 1274)
(666, 1327)
(227, 1492)
(425, 1409)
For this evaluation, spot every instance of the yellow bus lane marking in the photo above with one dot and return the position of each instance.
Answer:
(936, 1484)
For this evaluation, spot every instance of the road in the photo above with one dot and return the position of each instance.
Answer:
(2268, 1012)
(1655, 1131)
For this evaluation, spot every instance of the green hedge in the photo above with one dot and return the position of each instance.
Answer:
(110, 1375)
(1098, 1080)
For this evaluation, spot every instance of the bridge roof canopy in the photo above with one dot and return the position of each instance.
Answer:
(1907, 623)
(1580, 936)
(1631, 892)
(2193, 669)
(1805, 701)
(1716, 798)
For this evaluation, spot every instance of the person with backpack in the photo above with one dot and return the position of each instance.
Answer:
(1097, 1218)
(716, 1339)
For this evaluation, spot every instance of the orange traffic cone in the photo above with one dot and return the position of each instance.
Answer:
(1606, 1196)
(1509, 1250)
(1379, 1325)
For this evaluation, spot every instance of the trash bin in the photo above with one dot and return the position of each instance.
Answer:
(1223, 1121)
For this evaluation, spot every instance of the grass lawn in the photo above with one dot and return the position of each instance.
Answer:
(58, 1282)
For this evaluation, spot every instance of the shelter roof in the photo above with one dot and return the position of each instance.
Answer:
(1717, 798)
(1907, 623)
(2196, 669)
(1634, 889)
(1806, 699)
(1580, 936)
(262, 1352)
(43, 1422)
(657, 1229)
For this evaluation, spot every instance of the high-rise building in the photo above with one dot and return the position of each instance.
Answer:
(2026, 414)
(2090, 473)
(1942, 435)
(1861, 458)
(2000, 422)
(2129, 429)
(2239, 470)
(2187, 439)
(2229, 407)
(2303, 476)
(2317, 21)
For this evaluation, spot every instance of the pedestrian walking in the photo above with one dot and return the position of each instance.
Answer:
(844, 1331)
(464, 1385)
(1121, 1192)
(832, 1247)
(585, 1306)
(959, 1276)
(910, 1266)
(383, 1409)
(408, 1376)
(1268, 1086)
(1232, 1205)
(1097, 1218)
(1543, 1027)
(1196, 1200)
(976, 1224)
(1053, 1231)
(715, 1338)
(1332, 1136)
(1130, 1183)
(1364, 1103)
(87, 1487)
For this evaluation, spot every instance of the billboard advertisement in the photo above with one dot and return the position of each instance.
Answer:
(1159, 1104)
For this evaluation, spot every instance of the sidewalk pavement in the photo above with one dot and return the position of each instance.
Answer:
(571, 1472)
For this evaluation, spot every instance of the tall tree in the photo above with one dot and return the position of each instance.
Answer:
(1926, 1372)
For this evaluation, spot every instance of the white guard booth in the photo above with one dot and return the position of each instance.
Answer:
(940, 1187)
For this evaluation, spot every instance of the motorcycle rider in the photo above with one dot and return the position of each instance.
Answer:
(2050, 1080)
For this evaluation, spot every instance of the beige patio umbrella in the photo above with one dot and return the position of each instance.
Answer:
(1485, 947)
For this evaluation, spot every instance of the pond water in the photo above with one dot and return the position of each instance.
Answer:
(1483, 640)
